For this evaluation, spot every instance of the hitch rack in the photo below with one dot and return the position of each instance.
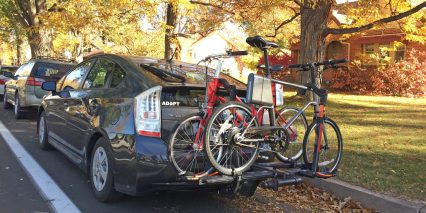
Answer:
(269, 175)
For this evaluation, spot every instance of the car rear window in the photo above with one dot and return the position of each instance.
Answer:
(8, 69)
(51, 70)
(192, 74)
(192, 97)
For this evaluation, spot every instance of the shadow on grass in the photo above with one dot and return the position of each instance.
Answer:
(387, 172)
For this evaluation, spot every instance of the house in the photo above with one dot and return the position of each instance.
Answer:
(230, 36)
(371, 47)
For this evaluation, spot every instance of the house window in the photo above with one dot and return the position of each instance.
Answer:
(368, 49)
(400, 52)
(384, 52)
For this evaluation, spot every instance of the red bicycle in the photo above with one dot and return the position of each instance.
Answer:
(187, 142)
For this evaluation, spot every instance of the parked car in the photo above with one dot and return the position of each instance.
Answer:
(112, 115)
(24, 91)
(10, 70)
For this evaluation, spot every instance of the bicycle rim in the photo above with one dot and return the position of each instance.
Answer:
(186, 157)
(295, 132)
(223, 152)
(331, 146)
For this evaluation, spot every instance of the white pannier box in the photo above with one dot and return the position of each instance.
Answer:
(259, 90)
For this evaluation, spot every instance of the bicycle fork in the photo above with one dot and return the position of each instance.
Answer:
(319, 137)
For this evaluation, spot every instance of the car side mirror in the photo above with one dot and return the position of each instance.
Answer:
(8, 74)
(49, 86)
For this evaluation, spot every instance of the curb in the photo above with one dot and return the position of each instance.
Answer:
(367, 198)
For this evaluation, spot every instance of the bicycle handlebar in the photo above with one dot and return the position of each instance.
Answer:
(315, 64)
(238, 53)
(228, 54)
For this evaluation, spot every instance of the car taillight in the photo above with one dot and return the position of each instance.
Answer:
(148, 112)
(31, 81)
(2, 81)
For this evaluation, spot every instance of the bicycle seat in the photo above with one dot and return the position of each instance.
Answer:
(272, 68)
(260, 43)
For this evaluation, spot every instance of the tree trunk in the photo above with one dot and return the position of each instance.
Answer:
(312, 40)
(40, 43)
(18, 49)
(39, 39)
(171, 15)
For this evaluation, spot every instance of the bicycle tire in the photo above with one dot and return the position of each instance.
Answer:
(223, 144)
(308, 145)
(184, 156)
(296, 134)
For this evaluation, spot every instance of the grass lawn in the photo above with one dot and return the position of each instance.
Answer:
(384, 142)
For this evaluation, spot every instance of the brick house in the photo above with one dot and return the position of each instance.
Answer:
(370, 47)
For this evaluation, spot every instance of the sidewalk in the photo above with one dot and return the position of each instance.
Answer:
(369, 199)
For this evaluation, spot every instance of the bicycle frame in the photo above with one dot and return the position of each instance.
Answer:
(211, 98)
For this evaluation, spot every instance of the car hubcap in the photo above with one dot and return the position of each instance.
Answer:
(99, 168)
(41, 130)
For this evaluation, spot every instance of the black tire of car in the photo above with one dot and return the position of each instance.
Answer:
(6, 105)
(18, 109)
(108, 192)
(42, 136)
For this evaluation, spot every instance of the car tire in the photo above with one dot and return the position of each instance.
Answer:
(17, 108)
(42, 132)
(6, 105)
(101, 175)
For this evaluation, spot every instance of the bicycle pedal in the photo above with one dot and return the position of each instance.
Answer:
(324, 175)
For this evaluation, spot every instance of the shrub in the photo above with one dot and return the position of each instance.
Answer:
(403, 78)
(280, 58)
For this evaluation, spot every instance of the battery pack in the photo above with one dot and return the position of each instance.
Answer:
(259, 90)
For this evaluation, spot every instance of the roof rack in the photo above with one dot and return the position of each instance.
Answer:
(55, 58)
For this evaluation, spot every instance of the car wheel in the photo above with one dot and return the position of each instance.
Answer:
(6, 105)
(101, 176)
(42, 132)
(18, 109)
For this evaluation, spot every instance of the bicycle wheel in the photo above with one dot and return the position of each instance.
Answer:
(225, 154)
(330, 152)
(296, 131)
(187, 156)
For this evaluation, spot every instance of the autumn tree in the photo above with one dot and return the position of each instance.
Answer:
(113, 26)
(313, 16)
(25, 13)
(184, 19)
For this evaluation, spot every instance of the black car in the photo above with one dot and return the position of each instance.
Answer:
(112, 115)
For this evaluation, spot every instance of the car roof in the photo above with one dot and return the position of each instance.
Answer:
(54, 61)
(9, 66)
(179, 67)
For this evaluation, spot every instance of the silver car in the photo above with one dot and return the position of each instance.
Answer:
(3, 79)
(24, 91)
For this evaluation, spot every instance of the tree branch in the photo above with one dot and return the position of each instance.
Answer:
(375, 23)
(301, 4)
(284, 23)
(212, 5)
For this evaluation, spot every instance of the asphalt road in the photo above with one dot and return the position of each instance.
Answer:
(19, 194)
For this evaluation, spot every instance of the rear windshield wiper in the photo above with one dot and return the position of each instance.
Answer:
(164, 75)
